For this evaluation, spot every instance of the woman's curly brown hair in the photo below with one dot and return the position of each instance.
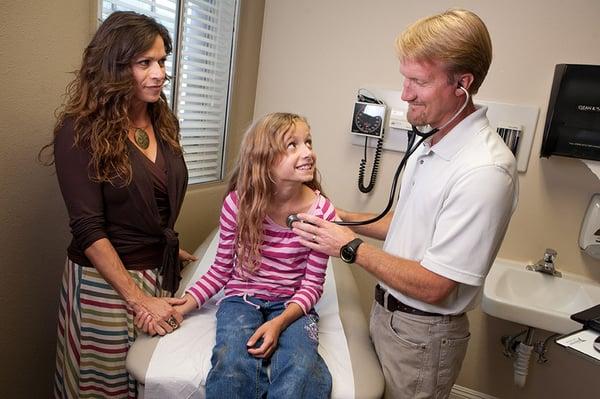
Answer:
(99, 97)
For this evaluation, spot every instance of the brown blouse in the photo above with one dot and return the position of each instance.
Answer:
(138, 218)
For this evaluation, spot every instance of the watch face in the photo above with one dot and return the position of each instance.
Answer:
(347, 253)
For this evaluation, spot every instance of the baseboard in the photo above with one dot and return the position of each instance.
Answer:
(459, 392)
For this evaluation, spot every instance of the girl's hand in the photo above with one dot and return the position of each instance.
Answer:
(188, 303)
(186, 257)
(145, 322)
(269, 332)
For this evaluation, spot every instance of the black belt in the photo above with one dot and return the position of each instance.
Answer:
(392, 304)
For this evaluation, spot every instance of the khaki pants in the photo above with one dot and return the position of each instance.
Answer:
(420, 356)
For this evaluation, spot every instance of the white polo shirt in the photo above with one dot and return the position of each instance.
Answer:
(455, 203)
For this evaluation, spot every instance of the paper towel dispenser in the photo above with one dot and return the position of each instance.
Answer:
(572, 126)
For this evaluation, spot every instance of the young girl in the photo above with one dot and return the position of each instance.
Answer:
(271, 281)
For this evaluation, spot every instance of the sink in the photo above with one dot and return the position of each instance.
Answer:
(511, 292)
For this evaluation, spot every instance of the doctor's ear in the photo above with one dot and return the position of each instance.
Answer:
(463, 81)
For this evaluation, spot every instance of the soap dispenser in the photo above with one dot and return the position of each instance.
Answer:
(589, 238)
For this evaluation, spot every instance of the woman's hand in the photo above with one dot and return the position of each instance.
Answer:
(186, 257)
(157, 315)
(269, 333)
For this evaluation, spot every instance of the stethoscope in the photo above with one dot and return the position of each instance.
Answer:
(410, 149)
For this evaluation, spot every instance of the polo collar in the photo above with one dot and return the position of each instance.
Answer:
(460, 134)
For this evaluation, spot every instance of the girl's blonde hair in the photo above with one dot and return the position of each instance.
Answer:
(263, 145)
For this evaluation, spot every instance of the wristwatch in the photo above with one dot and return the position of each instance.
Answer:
(348, 251)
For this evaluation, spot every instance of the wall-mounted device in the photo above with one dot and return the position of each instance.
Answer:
(398, 120)
(589, 237)
(500, 115)
(368, 118)
(511, 134)
(572, 126)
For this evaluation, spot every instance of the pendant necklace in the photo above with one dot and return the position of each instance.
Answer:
(141, 137)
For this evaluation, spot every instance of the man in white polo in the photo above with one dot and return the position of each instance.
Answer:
(458, 193)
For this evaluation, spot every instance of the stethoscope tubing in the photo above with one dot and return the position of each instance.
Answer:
(410, 149)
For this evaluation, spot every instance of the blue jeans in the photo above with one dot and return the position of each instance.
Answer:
(297, 369)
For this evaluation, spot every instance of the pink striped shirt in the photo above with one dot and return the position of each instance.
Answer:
(288, 270)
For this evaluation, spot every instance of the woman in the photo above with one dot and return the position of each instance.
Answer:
(123, 178)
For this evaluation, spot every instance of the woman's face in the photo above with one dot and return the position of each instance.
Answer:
(148, 71)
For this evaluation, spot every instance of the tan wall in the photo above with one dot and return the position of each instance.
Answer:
(40, 42)
(316, 54)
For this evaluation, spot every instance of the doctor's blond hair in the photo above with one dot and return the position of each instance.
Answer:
(262, 147)
(458, 38)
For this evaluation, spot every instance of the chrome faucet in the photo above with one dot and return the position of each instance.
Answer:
(546, 265)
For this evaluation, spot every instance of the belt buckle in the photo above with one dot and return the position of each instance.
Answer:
(386, 300)
(386, 296)
(381, 294)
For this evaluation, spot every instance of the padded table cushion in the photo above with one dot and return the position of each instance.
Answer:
(367, 376)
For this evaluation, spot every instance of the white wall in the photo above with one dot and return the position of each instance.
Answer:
(316, 54)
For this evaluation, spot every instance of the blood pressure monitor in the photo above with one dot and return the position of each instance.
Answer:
(368, 119)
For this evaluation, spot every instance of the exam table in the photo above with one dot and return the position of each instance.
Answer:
(176, 365)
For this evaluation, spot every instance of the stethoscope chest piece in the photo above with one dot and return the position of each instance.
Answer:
(291, 219)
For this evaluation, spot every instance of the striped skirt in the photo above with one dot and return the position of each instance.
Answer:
(95, 331)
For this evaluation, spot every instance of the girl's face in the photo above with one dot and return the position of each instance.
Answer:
(297, 163)
(148, 71)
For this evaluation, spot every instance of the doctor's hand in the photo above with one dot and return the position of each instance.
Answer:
(322, 235)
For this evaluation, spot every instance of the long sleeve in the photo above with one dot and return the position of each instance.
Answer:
(83, 198)
(288, 270)
(311, 286)
(222, 268)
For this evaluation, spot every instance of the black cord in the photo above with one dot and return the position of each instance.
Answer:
(409, 151)
(374, 170)
(363, 98)
(371, 99)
